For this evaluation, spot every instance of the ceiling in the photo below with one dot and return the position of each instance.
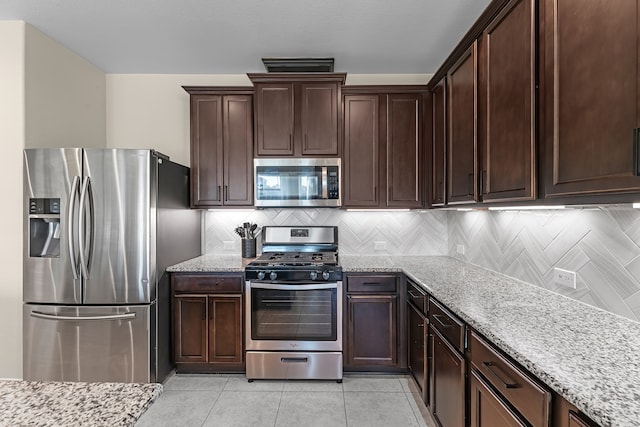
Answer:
(231, 37)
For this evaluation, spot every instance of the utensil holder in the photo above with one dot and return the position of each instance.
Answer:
(248, 248)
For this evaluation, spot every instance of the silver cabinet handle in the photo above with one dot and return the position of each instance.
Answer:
(70, 214)
(41, 315)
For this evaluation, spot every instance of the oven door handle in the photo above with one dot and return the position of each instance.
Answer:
(290, 287)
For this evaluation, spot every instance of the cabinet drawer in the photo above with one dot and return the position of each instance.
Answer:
(447, 324)
(372, 284)
(210, 283)
(518, 388)
(417, 296)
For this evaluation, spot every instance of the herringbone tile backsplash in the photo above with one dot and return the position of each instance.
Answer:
(601, 244)
(420, 233)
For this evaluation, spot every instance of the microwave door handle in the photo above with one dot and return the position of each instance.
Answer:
(71, 209)
(325, 191)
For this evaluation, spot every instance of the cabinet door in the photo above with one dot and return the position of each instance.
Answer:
(225, 329)
(487, 408)
(274, 119)
(462, 135)
(361, 151)
(372, 339)
(447, 371)
(404, 150)
(439, 170)
(508, 92)
(591, 96)
(190, 329)
(417, 347)
(319, 119)
(238, 152)
(206, 150)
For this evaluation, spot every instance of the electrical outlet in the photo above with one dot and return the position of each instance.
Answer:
(379, 246)
(564, 277)
(227, 245)
(460, 249)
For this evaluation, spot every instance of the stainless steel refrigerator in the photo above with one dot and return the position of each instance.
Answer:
(100, 228)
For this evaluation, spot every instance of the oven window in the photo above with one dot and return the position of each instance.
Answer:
(300, 315)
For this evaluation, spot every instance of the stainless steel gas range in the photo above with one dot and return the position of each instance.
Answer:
(294, 306)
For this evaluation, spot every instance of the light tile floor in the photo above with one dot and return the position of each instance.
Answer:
(230, 400)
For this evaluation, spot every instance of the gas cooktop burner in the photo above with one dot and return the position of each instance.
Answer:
(297, 254)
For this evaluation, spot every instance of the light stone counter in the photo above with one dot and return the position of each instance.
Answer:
(210, 263)
(589, 356)
(35, 403)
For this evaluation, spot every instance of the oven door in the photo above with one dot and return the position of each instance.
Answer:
(294, 317)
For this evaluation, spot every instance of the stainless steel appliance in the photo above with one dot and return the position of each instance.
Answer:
(297, 182)
(294, 305)
(100, 228)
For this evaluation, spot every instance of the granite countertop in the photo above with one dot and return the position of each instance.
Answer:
(211, 263)
(585, 354)
(68, 404)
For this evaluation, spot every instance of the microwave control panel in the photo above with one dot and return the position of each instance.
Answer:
(333, 182)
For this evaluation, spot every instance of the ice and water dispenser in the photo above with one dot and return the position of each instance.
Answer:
(44, 228)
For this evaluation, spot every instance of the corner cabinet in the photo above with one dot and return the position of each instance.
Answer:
(373, 329)
(298, 115)
(507, 95)
(462, 87)
(207, 322)
(591, 97)
(383, 146)
(221, 146)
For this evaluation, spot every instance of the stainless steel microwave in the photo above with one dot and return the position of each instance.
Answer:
(299, 182)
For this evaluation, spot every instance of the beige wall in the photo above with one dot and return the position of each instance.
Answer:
(152, 110)
(12, 129)
(50, 97)
(65, 96)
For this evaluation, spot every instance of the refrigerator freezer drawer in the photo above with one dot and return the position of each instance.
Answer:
(88, 343)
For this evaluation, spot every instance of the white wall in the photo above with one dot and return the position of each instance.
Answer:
(12, 135)
(152, 110)
(65, 96)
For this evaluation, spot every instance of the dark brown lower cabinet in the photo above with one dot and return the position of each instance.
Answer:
(208, 323)
(373, 339)
(374, 323)
(487, 408)
(448, 368)
(417, 347)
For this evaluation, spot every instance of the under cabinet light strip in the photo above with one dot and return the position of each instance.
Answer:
(525, 208)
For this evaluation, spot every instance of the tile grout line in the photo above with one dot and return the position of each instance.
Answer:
(214, 403)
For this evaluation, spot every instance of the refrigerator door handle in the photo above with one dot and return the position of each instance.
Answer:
(85, 259)
(41, 315)
(70, 214)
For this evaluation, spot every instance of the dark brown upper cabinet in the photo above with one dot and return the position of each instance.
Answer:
(462, 170)
(439, 135)
(298, 115)
(589, 63)
(383, 146)
(507, 105)
(221, 146)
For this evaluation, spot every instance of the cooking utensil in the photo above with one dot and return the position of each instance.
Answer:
(240, 232)
(252, 231)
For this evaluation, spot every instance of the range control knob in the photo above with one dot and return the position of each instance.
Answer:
(260, 275)
(273, 275)
(325, 275)
(313, 275)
